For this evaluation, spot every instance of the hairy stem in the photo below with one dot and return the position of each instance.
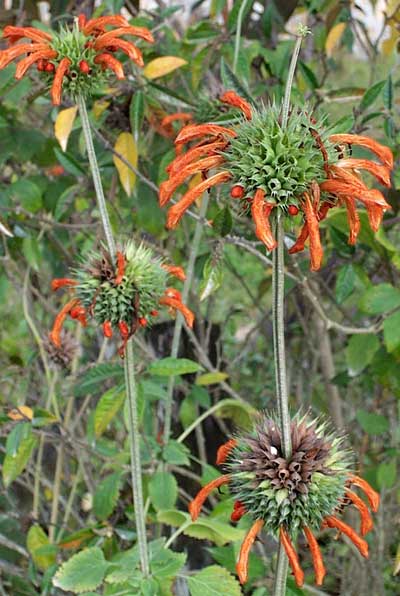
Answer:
(238, 34)
(179, 318)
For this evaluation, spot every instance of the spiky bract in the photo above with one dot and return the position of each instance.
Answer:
(281, 162)
(295, 492)
(136, 295)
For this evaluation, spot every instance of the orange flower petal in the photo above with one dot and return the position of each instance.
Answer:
(318, 564)
(359, 543)
(109, 36)
(233, 99)
(59, 321)
(316, 252)
(366, 519)
(120, 267)
(371, 494)
(381, 173)
(198, 502)
(243, 562)
(353, 219)
(375, 216)
(384, 153)
(27, 62)
(27, 32)
(176, 304)
(62, 282)
(168, 187)
(127, 47)
(224, 450)
(56, 88)
(292, 556)
(194, 131)
(181, 116)
(300, 243)
(110, 62)
(260, 211)
(193, 154)
(175, 270)
(176, 211)
(101, 22)
(340, 188)
(8, 55)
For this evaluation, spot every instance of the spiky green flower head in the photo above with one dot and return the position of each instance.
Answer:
(126, 290)
(297, 491)
(283, 162)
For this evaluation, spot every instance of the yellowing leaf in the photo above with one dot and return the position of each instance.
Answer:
(36, 540)
(63, 125)
(21, 413)
(99, 107)
(126, 147)
(159, 67)
(333, 38)
(211, 378)
(390, 43)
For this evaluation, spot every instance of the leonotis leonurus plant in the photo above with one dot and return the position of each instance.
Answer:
(122, 293)
(302, 493)
(272, 170)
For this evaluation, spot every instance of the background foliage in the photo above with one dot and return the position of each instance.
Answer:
(343, 325)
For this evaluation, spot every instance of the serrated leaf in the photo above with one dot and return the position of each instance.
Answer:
(107, 407)
(380, 299)
(13, 466)
(35, 540)
(213, 581)
(84, 571)
(163, 490)
(391, 332)
(333, 38)
(177, 454)
(166, 564)
(360, 352)
(126, 147)
(63, 125)
(94, 378)
(106, 496)
(371, 95)
(211, 378)
(170, 367)
(373, 424)
(159, 67)
(345, 283)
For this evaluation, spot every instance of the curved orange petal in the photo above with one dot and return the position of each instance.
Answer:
(260, 211)
(319, 567)
(233, 99)
(359, 543)
(340, 188)
(224, 450)
(375, 216)
(56, 88)
(197, 503)
(177, 304)
(372, 496)
(121, 261)
(181, 116)
(25, 63)
(100, 22)
(316, 252)
(300, 243)
(127, 47)
(194, 131)
(353, 219)
(140, 32)
(8, 55)
(366, 519)
(193, 154)
(61, 282)
(243, 561)
(59, 321)
(27, 32)
(381, 173)
(384, 153)
(176, 211)
(109, 61)
(292, 556)
(175, 270)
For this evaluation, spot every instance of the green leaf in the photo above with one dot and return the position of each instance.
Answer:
(211, 378)
(201, 32)
(177, 454)
(28, 194)
(106, 496)
(163, 490)
(373, 424)
(360, 351)
(212, 278)
(203, 528)
(166, 564)
(241, 413)
(387, 474)
(124, 567)
(231, 82)
(19, 433)
(388, 93)
(391, 331)
(95, 377)
(42, 417)
(136, 113)
(13, 466)
(345, 281)
(35, 540)
(170, 367)
(371, 95)
(31, 250)
(107, 407)
(380, 299)
(309, 76)
(69, 163)
(222, 223)
(213, 581)
(84, 571)
(344, 124)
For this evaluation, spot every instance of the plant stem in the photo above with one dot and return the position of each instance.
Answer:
(302, 32)
(238, 34)
(136, 469)
(101, 201)
(179, 318)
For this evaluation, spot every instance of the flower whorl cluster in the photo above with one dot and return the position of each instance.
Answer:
(288, 495)
(296, 169)
(122, 293)
(74, 60)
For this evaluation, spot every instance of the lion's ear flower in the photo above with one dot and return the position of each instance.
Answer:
(285, 496)
(121, 294)
(299, 169)
(74, 60)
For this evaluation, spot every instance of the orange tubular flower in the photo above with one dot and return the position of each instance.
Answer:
(362, 545)
(59, 321)
(242, 564)
(197, 503)
(371, 494)
(175, 270)
(224, 451)
(298, 170)
(56, 88)
(109, 61)
(292, 556)
(178, 116)
(172, 298)
(366, 519)
(319, 567)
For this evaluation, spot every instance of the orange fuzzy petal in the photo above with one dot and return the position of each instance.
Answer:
(107, 329)
(340, 188)
(176, 304)
(371, 494)
(360, 543)
(78, 312)
(292, 556)
(114, 20)
(176, 212)
(319, 567)
(233, 99)
(260, 211)
(120, 268)
(194, 131)
(62, 282)
(300, 243)
(243, 562)
(109, 36)
(384, 153)
(59, 321)
(127, 47)
(7, 56)
(109, 61)
(224, 451)
(316, 252)
(198, 502)
(375, 216)
(381, 173)
(175, 270)
(56, 88)
(168, 187)
(82, 21)
(353, 219)
(193, 154)
(27, 32)
(366, 519)
(180, 116)
(24, 64)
